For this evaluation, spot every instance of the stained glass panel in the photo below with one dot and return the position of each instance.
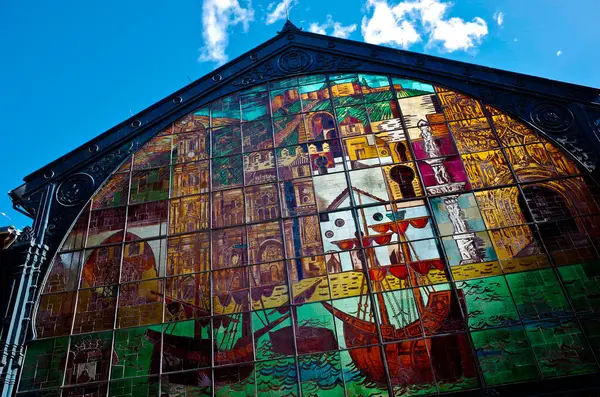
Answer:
(344, 235)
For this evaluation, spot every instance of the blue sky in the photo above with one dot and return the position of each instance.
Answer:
(71, 72)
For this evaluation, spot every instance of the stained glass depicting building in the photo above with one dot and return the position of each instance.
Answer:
(327, 231)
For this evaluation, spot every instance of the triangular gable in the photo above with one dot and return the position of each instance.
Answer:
(78, 174)
(344, 196)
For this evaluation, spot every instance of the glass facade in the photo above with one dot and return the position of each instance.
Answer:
(326, 235)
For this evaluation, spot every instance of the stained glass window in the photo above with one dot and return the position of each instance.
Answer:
(331, 235)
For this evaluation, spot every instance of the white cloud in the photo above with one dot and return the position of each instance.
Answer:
(278, 11)
(558, 53)
(407, 22)
(388, 27)
(339, 30)
(455, 34)
(499, 17)
(217, 17)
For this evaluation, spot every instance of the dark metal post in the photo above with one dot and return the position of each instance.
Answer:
(20, 267)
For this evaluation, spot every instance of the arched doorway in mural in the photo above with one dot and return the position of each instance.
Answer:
(322, 126)
(545, 206)
(404, 177)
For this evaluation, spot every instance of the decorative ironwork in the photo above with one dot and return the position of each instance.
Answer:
(255, 76)
(334, 62)
(111, 161)
(294, 61)
(75, 190)
(572, 145)
(552, 117)
(27, 235)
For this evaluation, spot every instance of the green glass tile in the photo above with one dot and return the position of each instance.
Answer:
(453, 363)
(172, 386)
(560, 348)
(227, 172)
(538, 295)
(321, 375)
(285, 102)
(291, 82)
(504, 355)
(134, 351)
(89, 360)
(255, 105)
(263, 344)
(39, 393)
(407, 88)
(583, 286)
(226, 111)
(277, 378)
(150, 185)
(227, 140)
(137, 387)
(488, 303)
(591, 329)
(356, 383)
(235, 381)
(44, 364)
(312, 79)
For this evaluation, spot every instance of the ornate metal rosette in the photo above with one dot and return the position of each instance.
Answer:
(75, 190)
(552, 117)
(294, 61)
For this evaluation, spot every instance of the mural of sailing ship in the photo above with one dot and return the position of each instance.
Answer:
(409, 361)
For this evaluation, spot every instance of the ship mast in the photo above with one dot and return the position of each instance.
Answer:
(406, 247)
(385, 318)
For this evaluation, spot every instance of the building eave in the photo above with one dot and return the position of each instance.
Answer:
(245, 71)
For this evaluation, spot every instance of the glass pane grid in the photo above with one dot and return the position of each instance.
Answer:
(312, 234)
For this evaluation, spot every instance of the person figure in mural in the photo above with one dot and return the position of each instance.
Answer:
(430, 146)
(456, 216)
(440, 174)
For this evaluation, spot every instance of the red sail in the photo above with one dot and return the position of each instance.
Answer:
(401, 271)
(367, 241)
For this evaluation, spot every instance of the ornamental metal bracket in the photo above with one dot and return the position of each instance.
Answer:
(21, 267)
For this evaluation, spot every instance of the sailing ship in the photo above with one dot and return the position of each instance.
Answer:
(408, 361)
(199, 352)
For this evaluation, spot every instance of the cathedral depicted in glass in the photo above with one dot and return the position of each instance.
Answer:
(326, 235)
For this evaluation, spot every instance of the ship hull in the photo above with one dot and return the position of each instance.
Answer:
(409, 361)
(309, 340)
(181, 352)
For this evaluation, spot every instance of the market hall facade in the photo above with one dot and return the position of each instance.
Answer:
(318, 217)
